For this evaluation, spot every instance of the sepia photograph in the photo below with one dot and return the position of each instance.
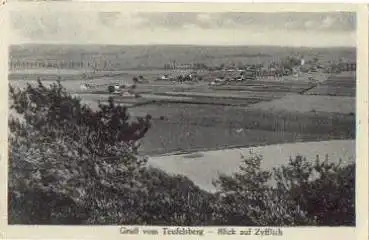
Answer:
(181, 119)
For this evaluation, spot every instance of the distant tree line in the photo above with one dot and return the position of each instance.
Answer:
(19, 64)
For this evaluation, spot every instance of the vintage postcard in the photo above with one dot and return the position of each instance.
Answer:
(184, 120)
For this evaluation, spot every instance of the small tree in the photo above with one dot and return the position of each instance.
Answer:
(180, 78)
(246, 198)
(111, 89)
(61, 149)
(326, 191)
(299, 193)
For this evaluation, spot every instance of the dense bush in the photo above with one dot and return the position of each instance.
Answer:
(71, 165)
(300, 193)
(247, 198)
(326, 191)
(111, 89)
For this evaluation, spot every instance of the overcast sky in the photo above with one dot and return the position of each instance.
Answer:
(281, 29)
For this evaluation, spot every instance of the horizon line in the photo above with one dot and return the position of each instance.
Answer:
(184, 45)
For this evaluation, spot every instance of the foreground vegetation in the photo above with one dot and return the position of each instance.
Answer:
(71, 165)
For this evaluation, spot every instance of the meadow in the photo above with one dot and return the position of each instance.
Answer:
(336, 86)
(188, 117)
(188, 127)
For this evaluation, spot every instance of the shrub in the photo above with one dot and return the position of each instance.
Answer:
(111, 89)
(71, 165)
(180, 78)
(246, 198)
(326, 191)
(300, 193)
(62, 148)
(172, 200)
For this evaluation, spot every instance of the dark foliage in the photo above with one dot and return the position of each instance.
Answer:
(72, 165)
(111, 89)
(326, 191)
(300, 193)
(247, 198)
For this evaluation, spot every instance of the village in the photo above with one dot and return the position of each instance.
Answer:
(289, 70)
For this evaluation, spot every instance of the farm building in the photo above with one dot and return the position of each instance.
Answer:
(178, 74)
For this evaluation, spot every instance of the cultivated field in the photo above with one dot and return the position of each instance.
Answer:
(193, 116)
(305, 103)
(190, 127)
(341, 85)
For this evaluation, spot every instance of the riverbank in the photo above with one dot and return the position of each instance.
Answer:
(204, 166)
